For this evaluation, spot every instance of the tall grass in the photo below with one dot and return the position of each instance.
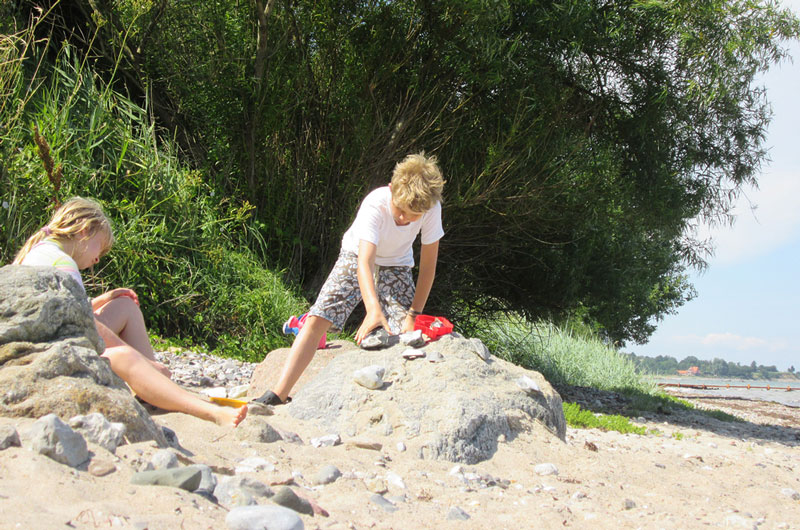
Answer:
(563, 356)
(181, 246)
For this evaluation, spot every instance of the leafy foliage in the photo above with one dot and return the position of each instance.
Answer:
(579, 139)
(179, 245)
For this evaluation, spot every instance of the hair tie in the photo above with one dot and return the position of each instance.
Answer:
(47, 231)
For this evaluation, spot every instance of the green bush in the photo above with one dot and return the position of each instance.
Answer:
(561, 356)
(187, 252)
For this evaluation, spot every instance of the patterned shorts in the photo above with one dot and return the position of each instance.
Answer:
(340, 294)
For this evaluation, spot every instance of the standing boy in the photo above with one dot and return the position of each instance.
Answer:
(375, 265)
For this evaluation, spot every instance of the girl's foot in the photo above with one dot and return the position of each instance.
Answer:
(228, 417)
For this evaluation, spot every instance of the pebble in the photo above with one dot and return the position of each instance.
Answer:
(164, 459)
(101, 467)
(370, 376)
(329, 440)
(53, 438)
(384, 503)
(792, 494)
(546, 469)
(200, 371)
(257, 517)
(327, 475)
(457, 514)
(9, 437)
(185, 478)
(284, 496)
(95, 428)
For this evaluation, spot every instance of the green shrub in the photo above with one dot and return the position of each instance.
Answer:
(184, 250)
(584, 419)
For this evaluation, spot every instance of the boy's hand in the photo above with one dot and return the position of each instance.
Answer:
(372, 321)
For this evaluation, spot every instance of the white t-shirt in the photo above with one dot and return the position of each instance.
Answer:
(48, 253)
(375, 223)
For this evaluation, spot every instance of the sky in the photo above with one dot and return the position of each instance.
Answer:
(748, 300)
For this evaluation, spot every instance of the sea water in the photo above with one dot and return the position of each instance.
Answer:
(777, 391)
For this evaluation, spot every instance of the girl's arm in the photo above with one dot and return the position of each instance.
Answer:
(428, 256)
(366, 282)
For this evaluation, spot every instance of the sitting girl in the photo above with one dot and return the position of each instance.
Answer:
(77, 236)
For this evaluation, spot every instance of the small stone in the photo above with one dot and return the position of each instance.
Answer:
(329, 440)
(263, 517)
(53, 438)
(363, 444)
(95, 428)
(327, 475)
(545, 469)
(217, 391)
(185, 478)
(628, 504)
(528, 385)
(253, 464)
(370, 376)
(412, 338)
(376, 340)
(401, 447)
(578, 495)
(290, 437)
(208, 481)
(479, 348)
(413, 353)
(381, 501)
(164, 459)
(257, 430)
(393, 479)
(284, 496)
(9, 437)
(792, 494)
(238, 391)
(435, 357)
(376, 485)
(101, 467)
(240, 491)
(457, 514)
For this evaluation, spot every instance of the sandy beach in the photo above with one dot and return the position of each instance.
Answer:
(689, 471)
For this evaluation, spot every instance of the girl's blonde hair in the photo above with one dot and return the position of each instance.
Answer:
(72, 218)
(417, 183)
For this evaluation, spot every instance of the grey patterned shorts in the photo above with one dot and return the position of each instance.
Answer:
(340, 294)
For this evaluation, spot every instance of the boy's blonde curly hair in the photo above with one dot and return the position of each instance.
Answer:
(417, 183)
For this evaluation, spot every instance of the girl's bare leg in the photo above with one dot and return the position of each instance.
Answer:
(158, 390)
(122, 316)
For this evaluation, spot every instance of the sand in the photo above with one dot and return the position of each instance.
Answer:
(689, 471)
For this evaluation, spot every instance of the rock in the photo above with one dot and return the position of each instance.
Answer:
(327, 475)
(413, 353)
(49, 360)
(528, 385)
(164, 459)
(256, 429)
(97, 429)
(375, 485)
(208, 481)
(262, 518)
(290, 437)
(370, 376)
(455, 410)
(377, 339)
(8, 437)
(412, 338)
(254, 463)
(329, 440)
(240, 491)
(393, 479)
(479, 348)
(185, 478)
(628, 504)
(217, 391)
(457, 514)
(101, 467)
(381, 501)
(284, 496)
(237, 392)
(545, 469)
(792, 494)
(52, 437)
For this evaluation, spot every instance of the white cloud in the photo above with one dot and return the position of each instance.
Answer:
(733, 341)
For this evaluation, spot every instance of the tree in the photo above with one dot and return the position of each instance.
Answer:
(579, 139)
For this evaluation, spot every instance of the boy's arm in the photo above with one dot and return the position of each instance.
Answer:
(428, 256)
(366, 282)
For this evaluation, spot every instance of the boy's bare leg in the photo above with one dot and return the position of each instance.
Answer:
(303, 350)
(123, 316)
(158, 390)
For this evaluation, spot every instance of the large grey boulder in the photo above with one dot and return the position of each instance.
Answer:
(456, 409)
(50, 355)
